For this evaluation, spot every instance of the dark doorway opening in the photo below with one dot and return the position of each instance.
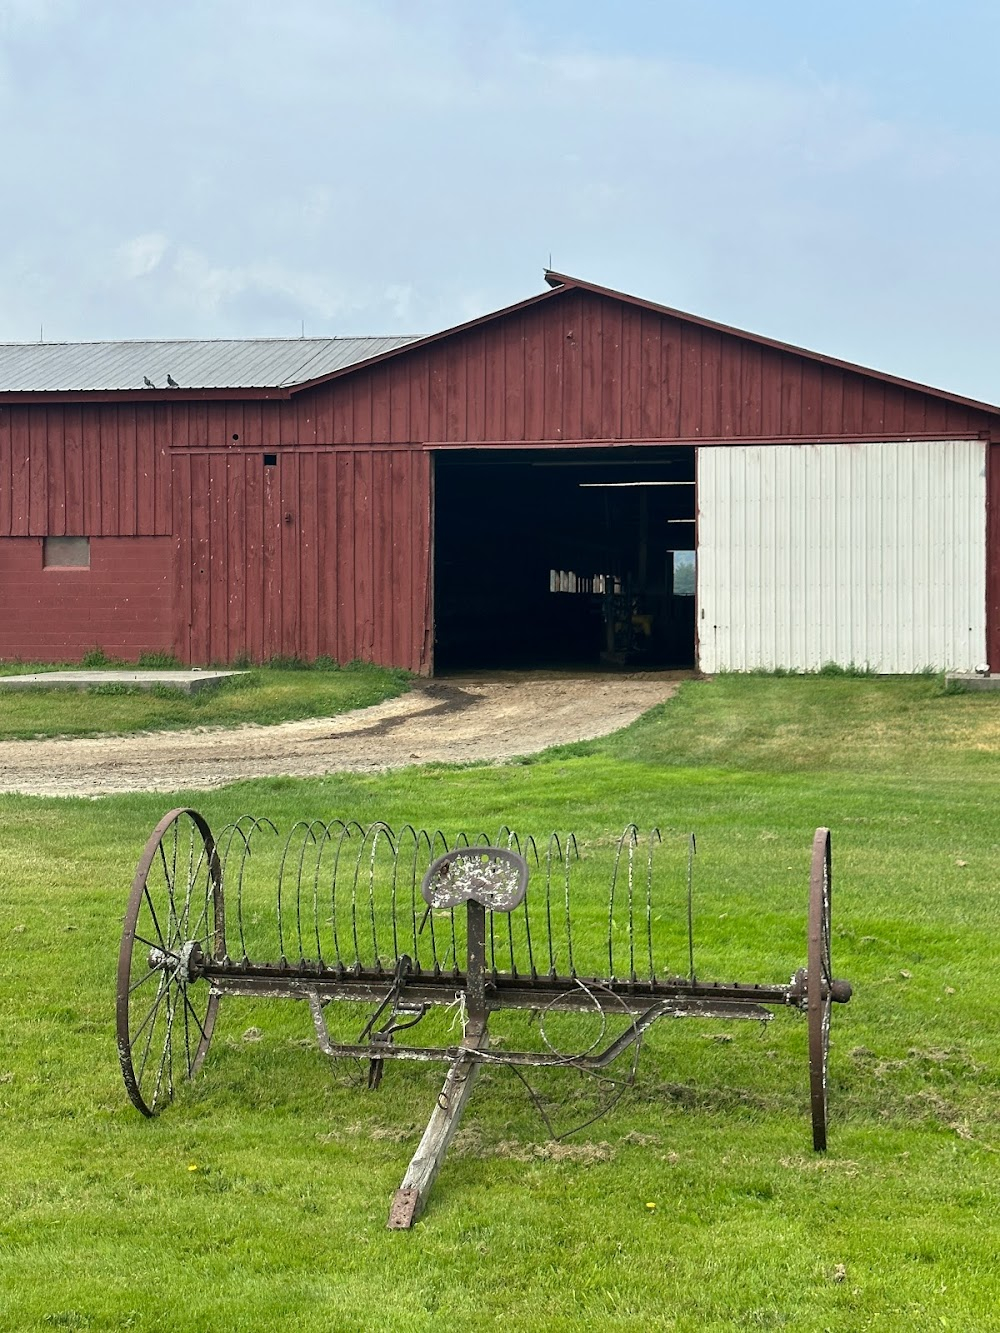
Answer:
(564, 558)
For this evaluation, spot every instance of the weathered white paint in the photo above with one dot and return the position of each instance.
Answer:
(865, 554)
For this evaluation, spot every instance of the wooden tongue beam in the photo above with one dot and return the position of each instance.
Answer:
(426, 1163)
(409, 1200)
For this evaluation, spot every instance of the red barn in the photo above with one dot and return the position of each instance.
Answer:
(581, 476)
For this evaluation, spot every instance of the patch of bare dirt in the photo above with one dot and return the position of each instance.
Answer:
(461, 719)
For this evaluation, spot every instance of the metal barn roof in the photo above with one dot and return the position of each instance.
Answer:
(229, 363)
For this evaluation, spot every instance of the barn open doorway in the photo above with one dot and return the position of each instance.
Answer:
(564, 558)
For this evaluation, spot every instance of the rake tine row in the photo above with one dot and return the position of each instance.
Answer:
(347, 897)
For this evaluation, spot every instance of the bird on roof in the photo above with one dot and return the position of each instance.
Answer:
(148, 382)
(172, 382)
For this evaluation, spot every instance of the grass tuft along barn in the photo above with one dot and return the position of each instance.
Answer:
(582, 477)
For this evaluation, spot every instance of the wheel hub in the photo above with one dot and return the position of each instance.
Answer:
(183, 965)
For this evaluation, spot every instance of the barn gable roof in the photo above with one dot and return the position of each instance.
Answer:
(559, 281)
(219, 363)
(562, 283)
(284, 367)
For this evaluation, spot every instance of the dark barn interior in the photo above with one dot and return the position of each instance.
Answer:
(564, 558)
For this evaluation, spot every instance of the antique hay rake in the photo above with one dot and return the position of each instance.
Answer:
(406, 924)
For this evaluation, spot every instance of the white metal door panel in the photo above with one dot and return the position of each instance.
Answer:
(872, 555)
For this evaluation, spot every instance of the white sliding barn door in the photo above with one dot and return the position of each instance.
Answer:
(872, 555)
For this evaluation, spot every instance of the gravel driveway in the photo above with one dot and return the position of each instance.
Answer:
(457, 719)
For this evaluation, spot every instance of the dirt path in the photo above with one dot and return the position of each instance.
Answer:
(478, 717)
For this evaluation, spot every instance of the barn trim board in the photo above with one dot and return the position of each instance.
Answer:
(313, 515)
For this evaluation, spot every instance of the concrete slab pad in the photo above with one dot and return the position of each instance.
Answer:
(974, 680)
(189, 682)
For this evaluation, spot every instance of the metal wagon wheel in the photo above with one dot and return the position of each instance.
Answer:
(173, 924)
(819, 982)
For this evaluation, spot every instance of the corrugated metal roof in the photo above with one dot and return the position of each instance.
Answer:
(234, 363)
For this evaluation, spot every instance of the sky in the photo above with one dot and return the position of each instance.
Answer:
(824, 174)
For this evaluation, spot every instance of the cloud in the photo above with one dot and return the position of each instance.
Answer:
(398, 168)
(141, 255)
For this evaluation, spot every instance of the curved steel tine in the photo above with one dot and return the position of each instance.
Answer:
(527, 936)
(373, 859)
(255, 824)
(461, 839)
(571, 842)
(653, 833)
(692, 849)
(631, 909)
(372, 831)
(569, 928)
(553, 838)
(417, 913)
(326, 838)
(436, 838)
(312, 826)
(385, 832)
(530, 849)
(346, 834)
(233, 830)
(406, 830)
(299, 824)
(629, 834)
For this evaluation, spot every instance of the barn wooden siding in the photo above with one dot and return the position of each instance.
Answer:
(350, 574)
(327, 552)
(580, 367)
(82, 470)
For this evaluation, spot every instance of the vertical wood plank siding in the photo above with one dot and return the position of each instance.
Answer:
(326, 553)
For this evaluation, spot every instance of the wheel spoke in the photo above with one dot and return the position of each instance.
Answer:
(187, 1033)
(142, 980)
(194, 1015)
(172, 921)
(149, 1040)
(152, 912)
(164, 987)
(152, 944)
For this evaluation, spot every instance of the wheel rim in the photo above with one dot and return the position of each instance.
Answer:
(173, 924)
(819, 980)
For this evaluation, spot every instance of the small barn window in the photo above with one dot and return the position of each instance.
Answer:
(683, 573)
(270, 460)
(66, 553)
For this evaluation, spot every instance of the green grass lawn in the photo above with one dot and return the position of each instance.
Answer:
(264, 694)
(258, 1199)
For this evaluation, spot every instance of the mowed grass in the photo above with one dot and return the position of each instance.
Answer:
(263, 694)
(258, 1199)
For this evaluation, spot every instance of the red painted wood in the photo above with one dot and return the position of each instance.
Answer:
(6, 459)
(251, 640)
(55, 483)
(350, 573)
(37, 467)
(235, 601)
(344, 546)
